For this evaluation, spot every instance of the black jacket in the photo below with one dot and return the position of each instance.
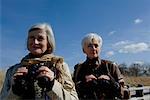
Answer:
(97, 89)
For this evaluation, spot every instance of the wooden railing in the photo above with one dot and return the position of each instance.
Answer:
(138, 93)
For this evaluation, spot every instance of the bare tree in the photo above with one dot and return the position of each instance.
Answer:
(123, 68)
(134, 69)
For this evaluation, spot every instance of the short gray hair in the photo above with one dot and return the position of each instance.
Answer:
(48, 29)
(88, 39)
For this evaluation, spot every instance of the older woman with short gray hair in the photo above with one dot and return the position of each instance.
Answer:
(96, 78)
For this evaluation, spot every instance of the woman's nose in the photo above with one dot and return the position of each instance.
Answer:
(36, 41)
(93, 47)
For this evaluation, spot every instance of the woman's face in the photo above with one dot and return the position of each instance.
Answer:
(37, 42)
(92, 49)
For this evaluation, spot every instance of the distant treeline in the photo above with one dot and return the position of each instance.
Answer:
(135, 69)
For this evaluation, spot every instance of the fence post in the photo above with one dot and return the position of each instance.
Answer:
(139, 93)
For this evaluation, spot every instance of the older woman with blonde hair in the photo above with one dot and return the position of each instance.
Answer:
(40, 74)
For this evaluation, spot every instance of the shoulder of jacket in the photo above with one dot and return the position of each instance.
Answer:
(108, 62)
(78, 65)
(13, 68)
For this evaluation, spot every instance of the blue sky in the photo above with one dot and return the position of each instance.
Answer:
(123, 24)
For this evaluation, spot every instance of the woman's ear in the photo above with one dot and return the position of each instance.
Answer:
(83, 50)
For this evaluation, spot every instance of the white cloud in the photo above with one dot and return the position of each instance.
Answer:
(110, 53)
(135, 48)
(131, 47)
(121, 43)
(138, 21)
(138, 62)
(111, 33)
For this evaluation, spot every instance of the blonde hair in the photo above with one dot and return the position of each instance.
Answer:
(50, 35)
(89, 37)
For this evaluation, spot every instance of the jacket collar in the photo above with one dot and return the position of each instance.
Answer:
(95, 61)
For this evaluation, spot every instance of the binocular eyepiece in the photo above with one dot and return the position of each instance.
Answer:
(101, 84)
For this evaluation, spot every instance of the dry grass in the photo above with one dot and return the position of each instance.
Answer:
(134, 81)
(2, 73)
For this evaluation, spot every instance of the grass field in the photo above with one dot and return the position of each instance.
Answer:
(2, 73)
(132, 81)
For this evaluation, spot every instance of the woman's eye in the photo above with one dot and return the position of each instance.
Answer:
(90, 45)
(96, 45)
(31, 37)
(93, 45)
(40, 38)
